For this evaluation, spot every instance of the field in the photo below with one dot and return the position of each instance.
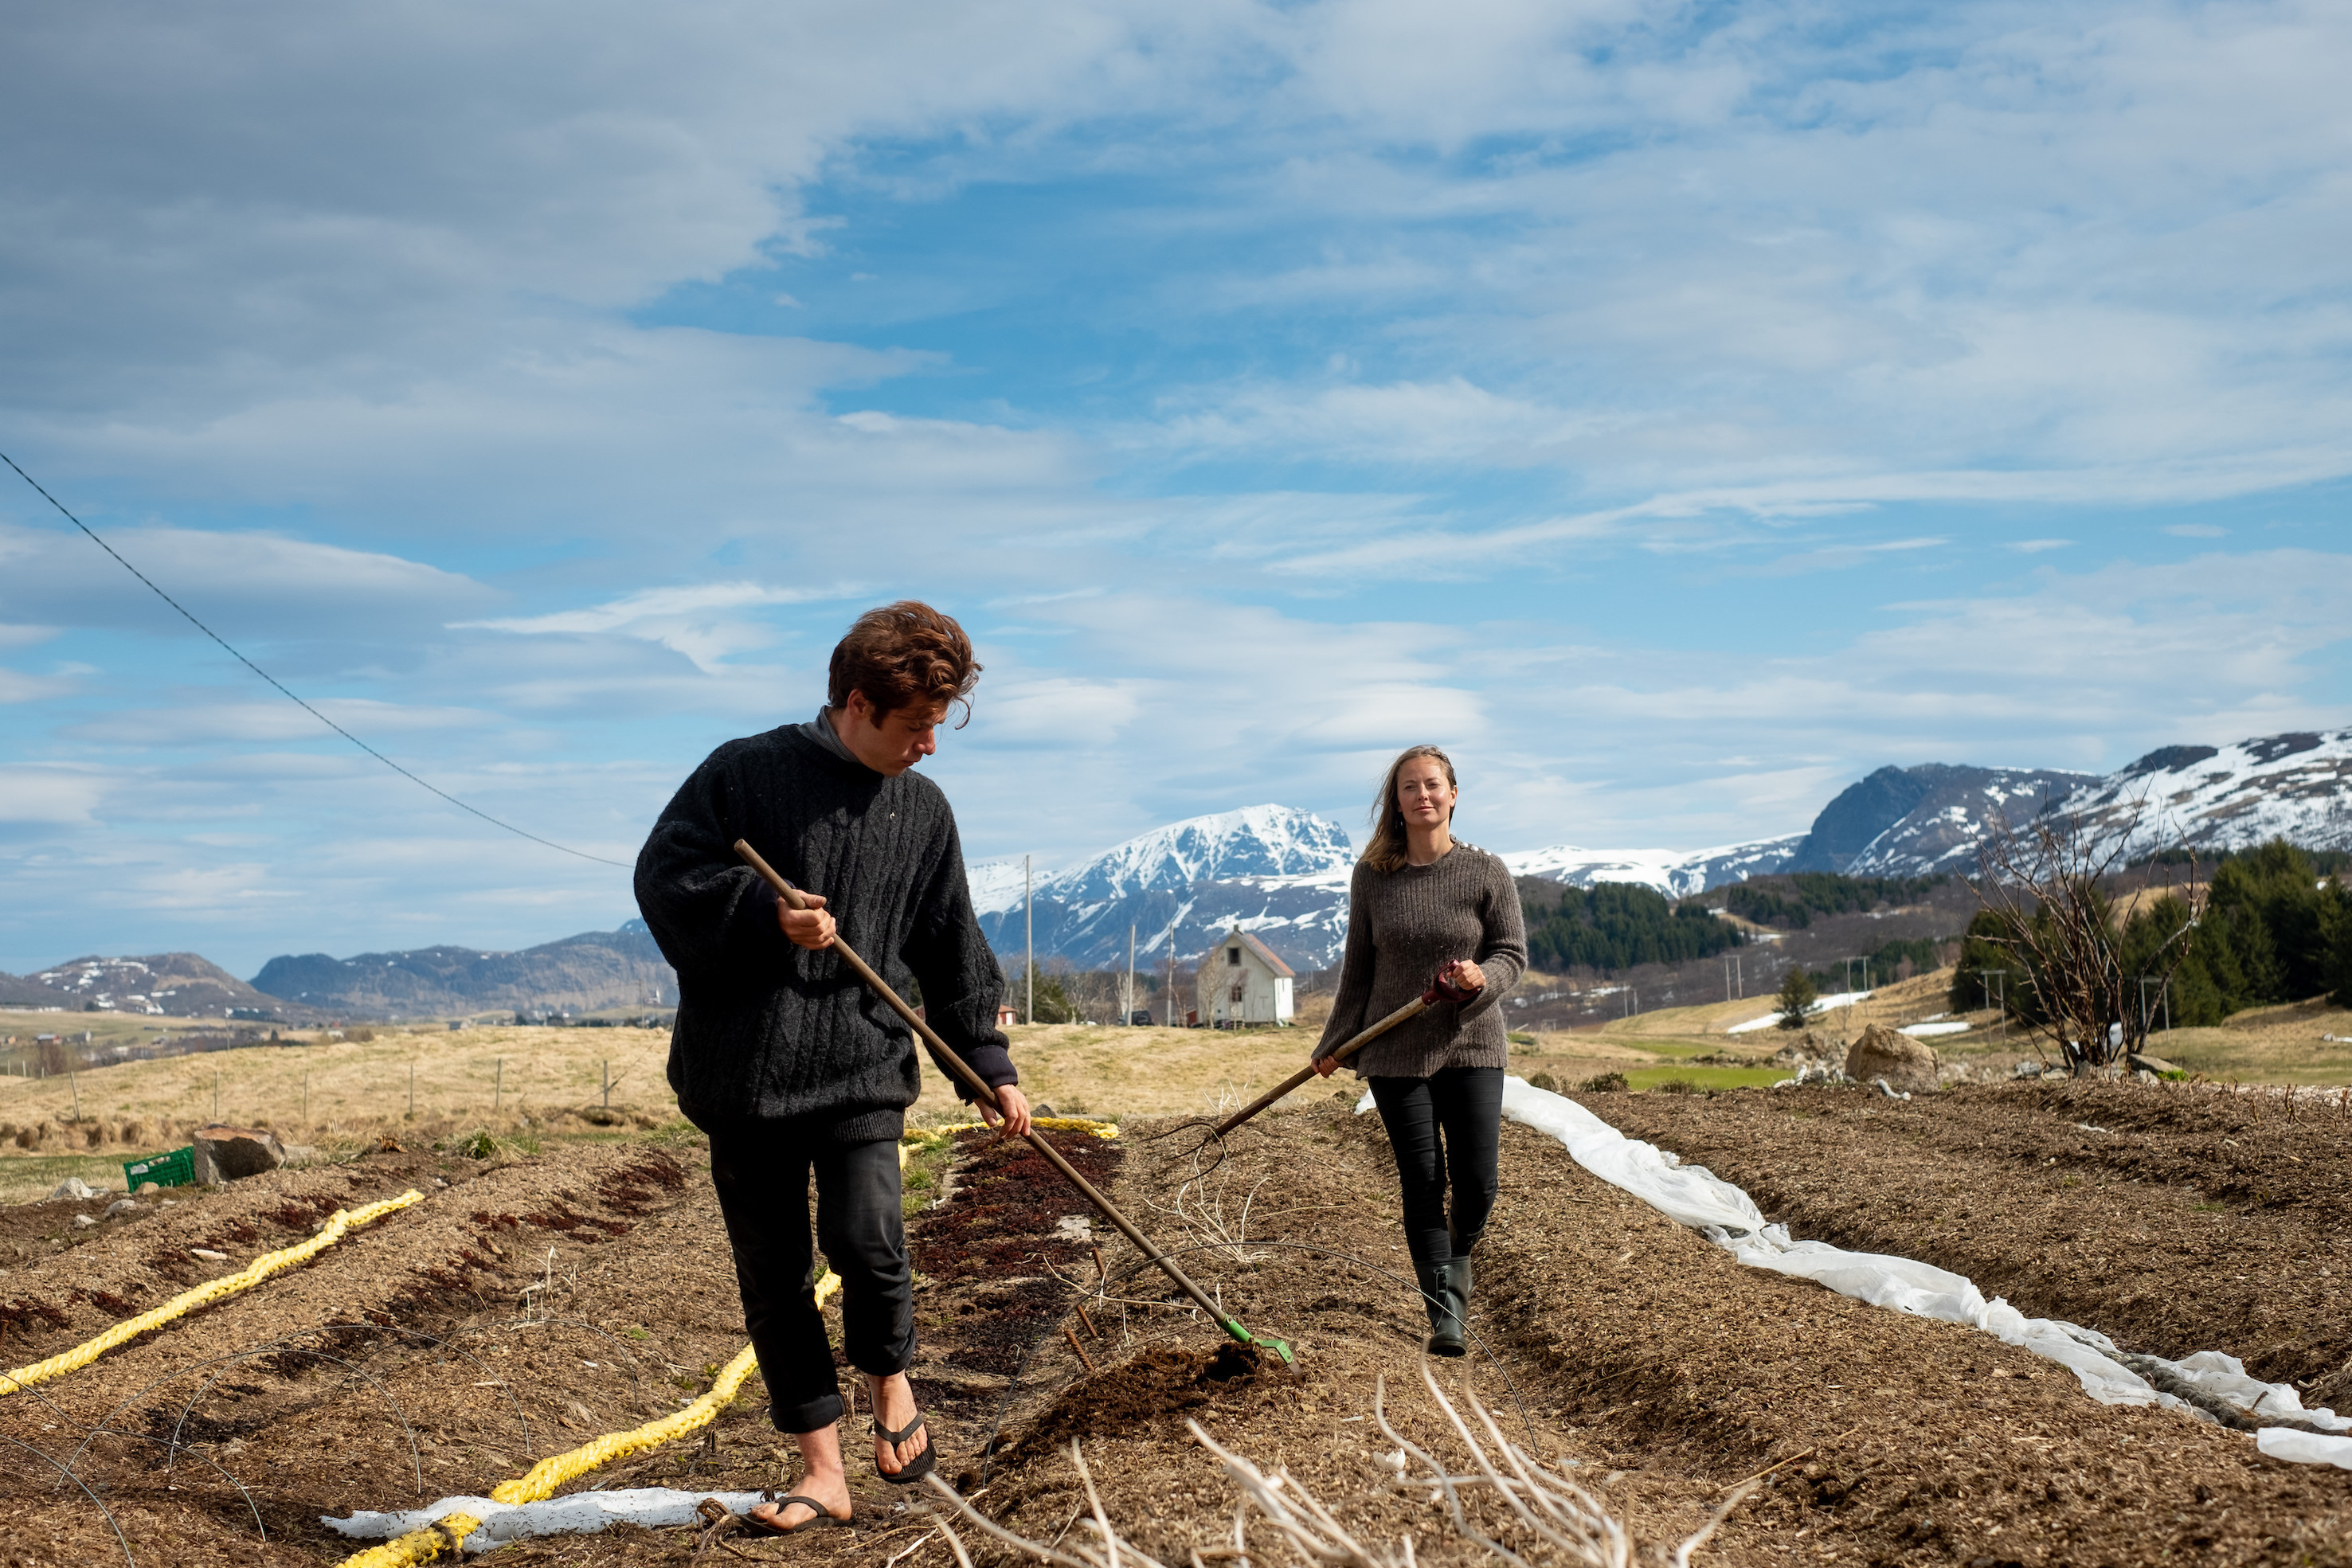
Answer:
(576, 1282)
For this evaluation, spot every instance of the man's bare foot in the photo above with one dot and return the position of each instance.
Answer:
(894, 1406)
(788, 1515)
(822, 1477)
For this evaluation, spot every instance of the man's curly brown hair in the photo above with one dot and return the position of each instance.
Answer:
(902, 654)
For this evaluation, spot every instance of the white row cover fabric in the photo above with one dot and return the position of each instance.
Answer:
(582, 1513)
(1821, 1005)
(2305, 1447)
(1726, 1216)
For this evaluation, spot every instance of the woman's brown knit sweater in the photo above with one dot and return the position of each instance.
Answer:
(1403, 927)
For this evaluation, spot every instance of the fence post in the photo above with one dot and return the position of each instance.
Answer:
(499, 1086)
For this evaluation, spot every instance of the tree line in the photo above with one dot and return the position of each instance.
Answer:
(2274, 929)
(1794, 898)
(1616, 925)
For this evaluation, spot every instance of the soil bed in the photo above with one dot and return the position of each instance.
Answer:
(2174, 1219)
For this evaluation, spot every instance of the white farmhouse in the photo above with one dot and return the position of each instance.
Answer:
(1242, 982)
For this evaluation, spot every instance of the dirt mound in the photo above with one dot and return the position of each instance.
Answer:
(1164, 1380)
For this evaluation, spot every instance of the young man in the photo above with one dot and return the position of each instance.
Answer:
(784, 1057)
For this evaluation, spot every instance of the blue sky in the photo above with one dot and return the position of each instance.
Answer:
(1677, 411)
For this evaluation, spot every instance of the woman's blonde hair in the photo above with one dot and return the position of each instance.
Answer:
(1387, 850)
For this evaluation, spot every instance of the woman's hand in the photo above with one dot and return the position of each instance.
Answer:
(1326, 1065)
(1462, 972)
(1015, 1120)
(811, 928)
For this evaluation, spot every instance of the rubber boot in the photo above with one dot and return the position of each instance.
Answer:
(1462, 1262)
(1444, 1301)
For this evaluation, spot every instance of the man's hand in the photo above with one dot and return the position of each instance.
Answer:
(811, 928)
(1015, 1120)
(1462, 972)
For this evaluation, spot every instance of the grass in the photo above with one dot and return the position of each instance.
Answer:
(1701, 1078)
(29, 1177)
(484, 1077)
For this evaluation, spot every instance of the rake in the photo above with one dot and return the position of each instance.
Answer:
(1440, 990)
(957, 1068)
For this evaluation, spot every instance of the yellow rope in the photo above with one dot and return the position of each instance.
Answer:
(549, 1474)
(419, 1545)
(1050, 1124)
(540, 1483)
(245, 1279)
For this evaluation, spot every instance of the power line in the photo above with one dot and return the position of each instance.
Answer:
(288, 695)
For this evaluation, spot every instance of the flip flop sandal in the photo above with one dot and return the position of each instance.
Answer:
(919, 1467)
(769, 1526)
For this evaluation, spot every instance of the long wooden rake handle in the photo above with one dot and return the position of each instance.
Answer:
(1439, 989)
(1411, 1009)
(961, 1070)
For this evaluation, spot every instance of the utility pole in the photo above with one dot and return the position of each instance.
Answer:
(1126, 1004)
(1172, 977)
(1029, 942)
(1740, 973)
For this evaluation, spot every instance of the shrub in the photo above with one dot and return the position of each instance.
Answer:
(1675, 1086)
(1544, 1081)
(1605, 1084)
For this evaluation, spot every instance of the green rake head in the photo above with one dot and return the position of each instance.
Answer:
(1280, 1347)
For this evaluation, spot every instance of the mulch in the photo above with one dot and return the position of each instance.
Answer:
(1646, 1363)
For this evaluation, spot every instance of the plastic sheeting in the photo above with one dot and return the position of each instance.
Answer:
(1726, 1215)
(582, 1513)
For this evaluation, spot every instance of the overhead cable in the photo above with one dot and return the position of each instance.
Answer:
(289, 696)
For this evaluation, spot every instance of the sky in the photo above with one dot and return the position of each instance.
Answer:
(1676, 411)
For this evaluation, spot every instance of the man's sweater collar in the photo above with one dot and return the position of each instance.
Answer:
(819, 732)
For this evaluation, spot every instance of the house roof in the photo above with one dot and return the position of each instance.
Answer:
(1282, 971)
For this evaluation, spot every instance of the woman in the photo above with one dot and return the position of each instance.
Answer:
(1418, 901)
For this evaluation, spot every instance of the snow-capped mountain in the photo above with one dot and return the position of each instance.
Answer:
(1952, 808)
(2297, 787)
(1282, 873)
(1677, 874)
(1277, 872)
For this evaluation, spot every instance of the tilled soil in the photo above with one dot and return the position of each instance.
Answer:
(2173, 1218)
(1646, 1363)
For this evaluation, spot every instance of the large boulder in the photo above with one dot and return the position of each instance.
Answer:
(227, 1153)
(1881, 1052)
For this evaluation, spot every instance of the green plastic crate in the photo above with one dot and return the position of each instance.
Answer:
(177, 1169)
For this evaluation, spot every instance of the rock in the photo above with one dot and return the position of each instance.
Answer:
(83, 1220)
(123, 1205)
(74, 1187)
(206, 1254)
(231, 1154)
(2141, 1061)
(1899, 1059)
(301, 1154)
(144, 1188)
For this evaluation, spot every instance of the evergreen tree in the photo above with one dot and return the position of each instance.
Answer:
(1795, 998)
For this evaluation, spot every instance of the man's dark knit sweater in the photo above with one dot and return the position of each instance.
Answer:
(771, 1031)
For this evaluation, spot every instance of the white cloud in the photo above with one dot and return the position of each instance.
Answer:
(687, 618)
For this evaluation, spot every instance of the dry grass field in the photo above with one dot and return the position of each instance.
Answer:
(550, 1081)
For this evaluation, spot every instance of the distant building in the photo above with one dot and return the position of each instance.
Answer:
(1242, 982)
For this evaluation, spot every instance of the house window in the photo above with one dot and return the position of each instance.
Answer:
(1237, 991)
(1233, 956)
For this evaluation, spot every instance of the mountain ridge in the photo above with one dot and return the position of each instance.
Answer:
(1282, 873)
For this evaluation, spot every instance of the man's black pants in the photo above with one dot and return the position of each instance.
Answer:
(1449, 1125)
(761, 1171)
